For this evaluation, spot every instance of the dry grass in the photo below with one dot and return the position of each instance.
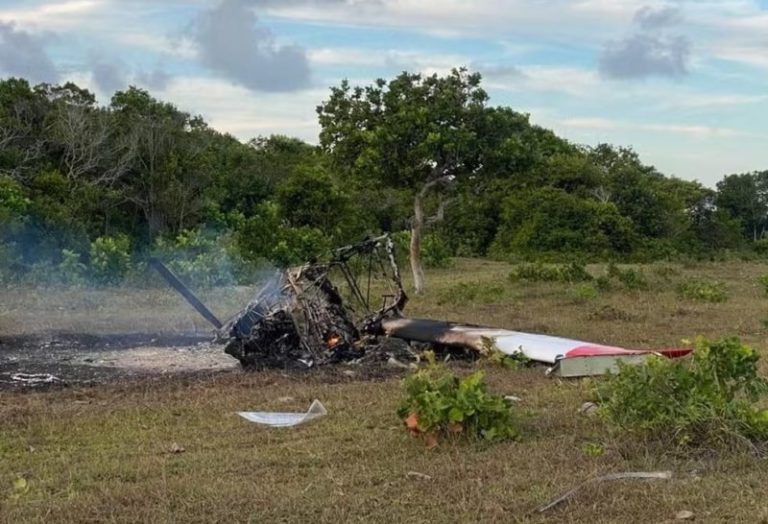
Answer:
(104, 454)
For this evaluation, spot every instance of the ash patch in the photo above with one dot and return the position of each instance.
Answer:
(84, 359)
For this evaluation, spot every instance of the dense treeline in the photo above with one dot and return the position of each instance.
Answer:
(88, 191)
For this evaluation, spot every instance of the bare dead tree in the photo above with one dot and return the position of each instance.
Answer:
(602, 194)
(83, 135)
(420, 222)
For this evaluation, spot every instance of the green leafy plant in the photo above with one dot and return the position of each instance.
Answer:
(703, 290)
(603, 283)
(708, 398)
(593, 449)
(763, 281)
(629, 278)
(584, 292)
(110, 258)
(494, 356)
(438, 404)
(71, 270)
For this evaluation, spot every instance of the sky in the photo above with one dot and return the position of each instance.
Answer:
(684, 83)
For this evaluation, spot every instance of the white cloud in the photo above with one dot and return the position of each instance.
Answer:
(53, 15)
(589, 123)
(754, 55)
(713, 101)
(690, 130)
(393, 59)
(573, 81)
(243, 113)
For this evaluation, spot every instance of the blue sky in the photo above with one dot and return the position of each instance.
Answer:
(685, 83)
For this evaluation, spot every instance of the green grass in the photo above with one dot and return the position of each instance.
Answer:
(104, 454)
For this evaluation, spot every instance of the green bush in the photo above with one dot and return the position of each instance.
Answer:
(438, 404)
(71, 270)
(573, 272)
(203, 259)
(110, 258)
(471, 292)
(760, 246)
(703, 290)
(629, 278)
(706, 399)
(584, 292)
(603, 283)
(763, 281)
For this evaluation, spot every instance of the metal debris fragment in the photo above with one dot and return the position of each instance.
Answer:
(629, 475)
(35, 378)
(285, 420)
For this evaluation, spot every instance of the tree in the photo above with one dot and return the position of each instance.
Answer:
(167, 159)
(745, 197)
(417, 133)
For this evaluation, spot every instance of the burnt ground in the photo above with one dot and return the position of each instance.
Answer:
(81, 359)
(86, 359)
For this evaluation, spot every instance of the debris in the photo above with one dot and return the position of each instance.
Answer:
(630, 475)
(684, 515)
(588, 408)
(569, 357)
(417, 475)
(35, 378)
(300, 318)
(175, 448)
(393, 362)
(284, 420)
(513, 398)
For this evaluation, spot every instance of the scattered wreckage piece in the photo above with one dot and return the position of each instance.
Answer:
(33, 379)
(567, 357)
(277, 419)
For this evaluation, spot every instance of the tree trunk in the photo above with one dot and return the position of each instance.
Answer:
(417, 227)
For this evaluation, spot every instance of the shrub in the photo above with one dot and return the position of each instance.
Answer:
(573, 272)
(203, 258)
(760, 246)
(110, 258)
(71, 271)
(763, 281)
(610, 313)
(703, 290)
(438, 404)
(584, 292)
(471, 292)
(703, 400)
(629, 278)
(603, 283)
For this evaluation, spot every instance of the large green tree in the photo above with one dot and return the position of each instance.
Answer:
(745, 197)
(416, 133)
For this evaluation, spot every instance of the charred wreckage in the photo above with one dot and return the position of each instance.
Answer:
(341, 308)
(324, 311)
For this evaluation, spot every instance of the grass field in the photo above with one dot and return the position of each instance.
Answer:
(106, 454)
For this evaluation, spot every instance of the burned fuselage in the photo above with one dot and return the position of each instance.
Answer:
(320, 312)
